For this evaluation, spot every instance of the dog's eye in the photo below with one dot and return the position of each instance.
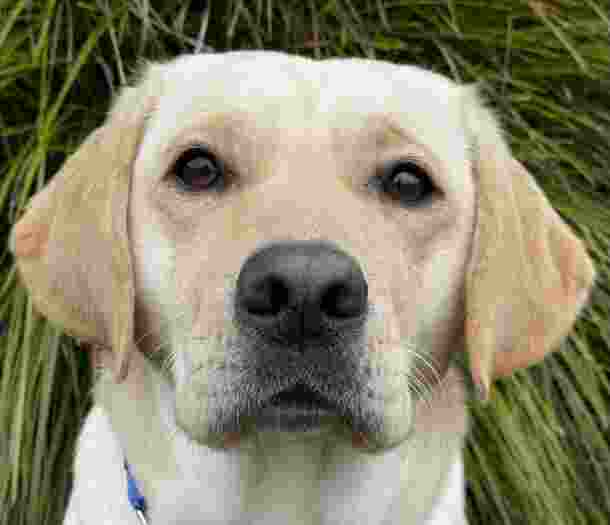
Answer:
(407, 181)
(198, 170)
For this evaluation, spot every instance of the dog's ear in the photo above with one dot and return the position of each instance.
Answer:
(529, 275)
(71, 245)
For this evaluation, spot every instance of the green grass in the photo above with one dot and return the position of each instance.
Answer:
(539, 452)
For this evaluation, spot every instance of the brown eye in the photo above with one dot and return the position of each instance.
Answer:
(407, 182)
(198, 170)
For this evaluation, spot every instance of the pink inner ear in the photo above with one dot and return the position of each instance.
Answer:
(30, 240)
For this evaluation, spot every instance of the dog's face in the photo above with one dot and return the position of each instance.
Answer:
(301, 224)
(304, 244)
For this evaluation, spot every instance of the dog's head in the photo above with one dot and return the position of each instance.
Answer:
(305, 243)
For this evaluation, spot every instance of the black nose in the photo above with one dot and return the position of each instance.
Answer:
(295, 291)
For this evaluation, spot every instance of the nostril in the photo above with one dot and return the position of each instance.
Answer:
(267, 296)
(345, 299)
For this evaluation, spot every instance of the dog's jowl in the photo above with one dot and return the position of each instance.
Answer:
(278, 260)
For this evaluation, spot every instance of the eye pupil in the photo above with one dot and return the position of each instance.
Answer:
(200, 170)
(197, 169)
(408, 182)
(405, 180)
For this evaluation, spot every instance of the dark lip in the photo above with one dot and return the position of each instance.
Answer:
(298, 408)
(299, 397)
(287, 418)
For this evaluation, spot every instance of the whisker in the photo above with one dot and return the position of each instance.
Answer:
(162, 324)
(428, 363)
(418, 381)
(169, 360)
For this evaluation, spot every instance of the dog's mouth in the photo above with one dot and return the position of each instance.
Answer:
(296, 408)
(300, 396)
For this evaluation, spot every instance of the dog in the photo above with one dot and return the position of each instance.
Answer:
(279, 261)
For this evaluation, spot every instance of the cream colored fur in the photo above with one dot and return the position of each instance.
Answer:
(115, 255)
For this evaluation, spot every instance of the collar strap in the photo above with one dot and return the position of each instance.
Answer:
(136, 499)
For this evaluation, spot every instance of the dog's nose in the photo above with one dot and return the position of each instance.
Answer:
(296, 291)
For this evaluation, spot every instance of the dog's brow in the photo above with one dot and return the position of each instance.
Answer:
(212, 125)
(390, 133)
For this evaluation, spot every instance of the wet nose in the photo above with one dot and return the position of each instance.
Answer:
(301, 290)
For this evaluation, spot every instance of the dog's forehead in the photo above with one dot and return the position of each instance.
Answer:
(284, 91)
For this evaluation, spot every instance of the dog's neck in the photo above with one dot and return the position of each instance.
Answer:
(277, 478)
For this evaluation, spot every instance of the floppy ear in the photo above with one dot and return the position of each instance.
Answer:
(71, 244)
(529, 275)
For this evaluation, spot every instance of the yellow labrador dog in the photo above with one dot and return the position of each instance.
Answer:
(280, 259)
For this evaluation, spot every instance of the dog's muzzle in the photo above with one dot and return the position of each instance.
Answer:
(302, 297)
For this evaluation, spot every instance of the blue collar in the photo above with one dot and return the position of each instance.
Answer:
(136, 499)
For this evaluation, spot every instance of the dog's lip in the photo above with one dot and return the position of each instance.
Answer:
(299, 397)
(298, 408)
